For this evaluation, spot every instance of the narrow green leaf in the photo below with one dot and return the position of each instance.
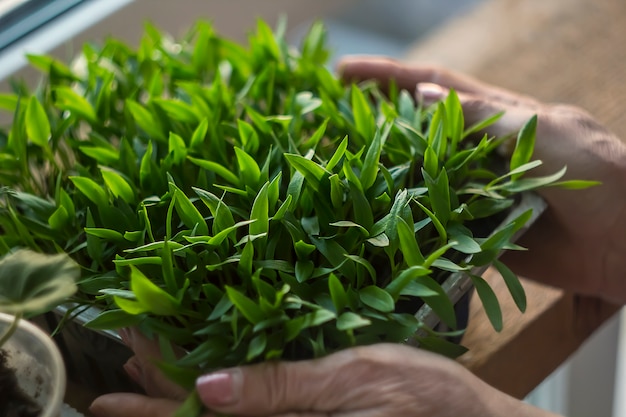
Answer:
(363, 116)
(513, 284)
(178, 110)
(527, 184)
(68, 99)
(37, 123)
(199, 135)
(113, 319)
(257, 346)
(218, 169)
(524, 146)
(408, 243)
(145, 120)
(397, 286)
(189, 214)
(489, 300)
(337, 293)
(92, 190)
(311, 171)
(377, 298)
(118, 186)
(248, 308)
(351, 321)
(260, 212)
(150, 296)
(339, 153)
(248, 168)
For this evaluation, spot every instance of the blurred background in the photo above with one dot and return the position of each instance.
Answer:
(527, 46)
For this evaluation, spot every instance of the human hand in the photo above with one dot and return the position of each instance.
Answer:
(372, 381)
(577, 244)
(163, 396)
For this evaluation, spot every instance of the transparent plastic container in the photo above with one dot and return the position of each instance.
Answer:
(38, 365)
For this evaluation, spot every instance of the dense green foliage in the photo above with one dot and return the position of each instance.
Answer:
(244, 203)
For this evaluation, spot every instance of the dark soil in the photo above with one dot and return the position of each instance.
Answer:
(13, 401)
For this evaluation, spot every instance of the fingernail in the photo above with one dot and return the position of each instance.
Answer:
(429, 93)
(220, 388)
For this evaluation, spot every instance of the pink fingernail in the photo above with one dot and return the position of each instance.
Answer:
(428, 93)
(217, 389)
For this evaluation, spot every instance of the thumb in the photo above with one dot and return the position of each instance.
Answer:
(478, 107)
(276, 387)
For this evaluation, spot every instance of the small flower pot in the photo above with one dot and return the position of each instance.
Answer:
(38, 369)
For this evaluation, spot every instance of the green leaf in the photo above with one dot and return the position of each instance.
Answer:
(489, 300)
(257, 346)
(188, 213)
(178, 110)
(59, 218)
(316, 318)
(218, 169)
(145, 120)
(248, 308)
(377, 298)
(104, 156)
(107, 234)
(513, 284)
(249, 170)
(372, 157)
(150, 296)
(9, 102)
(575, 184)
(68, 99)
(442, 346)
(118, 186)
(37, 123)
(92, 190)
(439, 194)
(397, 286)
(440, 303)
(363, 116)
(339, 153)
(260, 212)
(524, 146)
(337, 293)
(31, 282)
(351, 321)
(482, 124)
(199, 135)
(112, 319)
(222, 217)
(311, 171)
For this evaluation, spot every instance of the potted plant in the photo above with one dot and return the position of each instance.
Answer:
(32, 372)
(245, 204)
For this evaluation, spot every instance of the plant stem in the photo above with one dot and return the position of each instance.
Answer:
(12, 328)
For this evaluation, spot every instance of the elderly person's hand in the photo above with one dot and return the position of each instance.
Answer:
(371, 381)
(578, 243)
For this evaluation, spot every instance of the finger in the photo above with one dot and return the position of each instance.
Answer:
(477, 108)
(282, 387)
(407, 76)
(132, 405)
(142, 366)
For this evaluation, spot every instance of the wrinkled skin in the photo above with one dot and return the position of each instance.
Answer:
(576, 245)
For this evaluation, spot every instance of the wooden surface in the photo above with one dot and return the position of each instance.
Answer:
(532, 344)
(569, 51)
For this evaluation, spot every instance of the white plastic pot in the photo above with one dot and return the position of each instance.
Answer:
(38, 365)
